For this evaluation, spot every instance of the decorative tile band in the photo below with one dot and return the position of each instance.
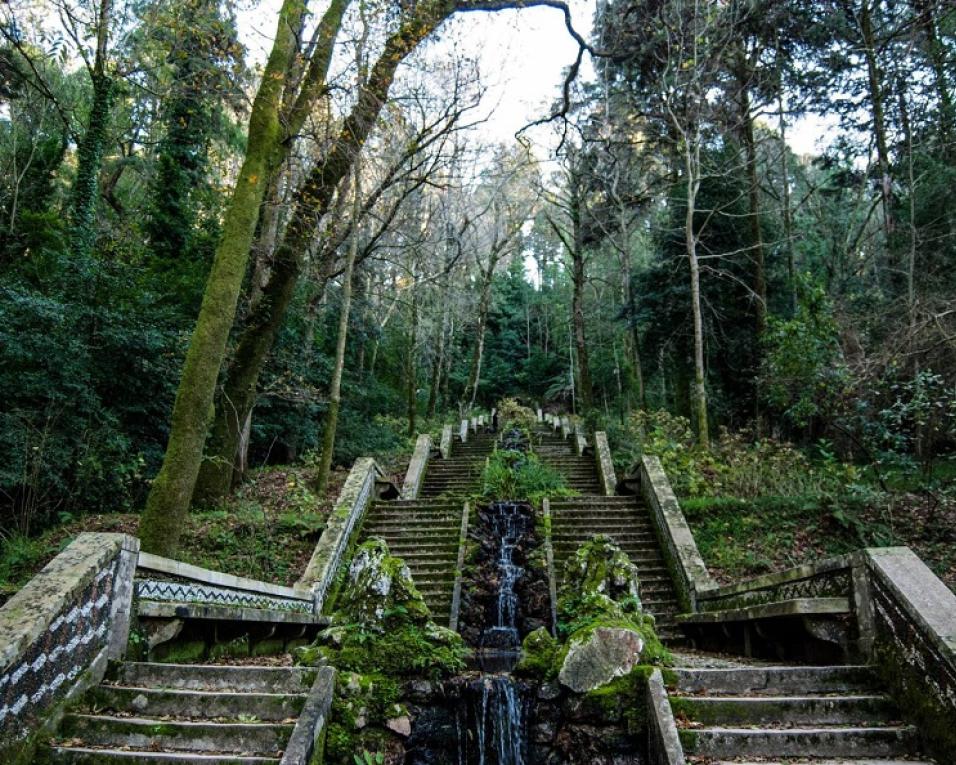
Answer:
(179, 592)
(29, 686)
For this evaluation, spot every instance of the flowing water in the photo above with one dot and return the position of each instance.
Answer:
(496, 710)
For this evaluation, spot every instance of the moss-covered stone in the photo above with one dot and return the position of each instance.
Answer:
(380, 588)
(383, 625)
(539, 654)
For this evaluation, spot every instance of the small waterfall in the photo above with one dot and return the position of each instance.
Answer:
(509, 525)
(495, 708)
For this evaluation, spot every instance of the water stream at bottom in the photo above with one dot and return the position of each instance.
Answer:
(496, 710)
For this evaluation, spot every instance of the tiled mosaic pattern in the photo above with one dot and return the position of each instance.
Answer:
(193, 592)
(29, 686)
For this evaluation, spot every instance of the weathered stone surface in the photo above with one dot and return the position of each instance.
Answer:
(692, 576)
(604, 654)
(400, 725)
(379, 584)
(600, 569)
(349, 508)
(605, 465)
(416, 466)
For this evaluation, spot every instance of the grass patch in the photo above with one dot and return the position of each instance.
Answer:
(266, 530)
(740, 538)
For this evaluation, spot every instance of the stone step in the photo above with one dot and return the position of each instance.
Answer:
(426, 564)
(211, 677)
(153, 702)
(414, 527)
(145, 733)
(775, 681)
(818, 741)
(785, 710)
(426, 504)
(85, 756)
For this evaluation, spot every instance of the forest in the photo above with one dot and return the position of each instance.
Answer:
(222, 270)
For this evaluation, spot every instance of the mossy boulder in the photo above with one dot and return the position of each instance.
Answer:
(539, 654)
(380, 589)
(596, 657)
(606, 634)
(599, 568)
(383, 626)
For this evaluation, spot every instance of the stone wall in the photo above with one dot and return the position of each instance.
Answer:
(57, 633)
(910, 616)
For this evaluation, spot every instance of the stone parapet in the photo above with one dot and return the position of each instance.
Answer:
(345, 518)
(58, 632)
(605, 465)
(690, 574)
(663, 742)
(445, 444)
(417, 466)
(909, 614)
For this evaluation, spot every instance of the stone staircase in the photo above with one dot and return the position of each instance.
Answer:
(559, 453)
(574, 520)
(460, 474)
(425, 534)
(791, 714)
(173, 713)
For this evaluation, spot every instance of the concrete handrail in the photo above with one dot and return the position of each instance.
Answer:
(444, 446)
(680, 550)
(605, 464)
(663, 741)
(312, 720)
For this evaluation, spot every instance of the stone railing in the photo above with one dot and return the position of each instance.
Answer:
(417, 466)
(827, 579)
(305, 738)
(445, 444)
(580, 439)
(663, 742)
(463, 431)
(683, 559)
(907, 617)
(333, 545)
(57, 634)
(166, 587)
(605, 465)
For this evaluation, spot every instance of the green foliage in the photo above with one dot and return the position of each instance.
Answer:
(520, 475)
(512, 415)
(803, 373)
(367, 758)
(87, 365)
(735, 466)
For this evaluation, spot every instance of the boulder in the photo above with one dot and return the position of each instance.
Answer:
(379, 584)
(600, 570)
(599, 656)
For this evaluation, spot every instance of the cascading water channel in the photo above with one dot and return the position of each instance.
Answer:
(509, 525)
(496, 708)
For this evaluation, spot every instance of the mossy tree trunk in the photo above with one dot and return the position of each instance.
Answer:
(171, 492)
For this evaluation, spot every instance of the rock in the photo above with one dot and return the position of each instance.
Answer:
(418, 690)
(549, 691)
(400, 725)
(600, 569)
(544, 732)
(600, 656)
(380, 584)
